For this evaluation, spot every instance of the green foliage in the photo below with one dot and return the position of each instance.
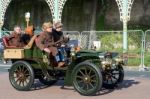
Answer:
(113, 42)
(137, 60)
(134, 61)
(147, 59)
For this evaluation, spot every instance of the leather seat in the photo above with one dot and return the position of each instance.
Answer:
(6, 43)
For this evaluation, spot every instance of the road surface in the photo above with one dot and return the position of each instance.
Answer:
(136, 85)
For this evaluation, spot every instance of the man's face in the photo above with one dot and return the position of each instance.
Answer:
(49, 29)
(59, 28)
(18, 30)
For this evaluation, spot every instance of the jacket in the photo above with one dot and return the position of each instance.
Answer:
(46, 40)
(15, 40)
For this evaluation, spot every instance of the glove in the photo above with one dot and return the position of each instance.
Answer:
(47, 50)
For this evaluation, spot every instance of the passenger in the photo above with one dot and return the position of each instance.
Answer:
(46, 41)
(29, 32)
(15, 37)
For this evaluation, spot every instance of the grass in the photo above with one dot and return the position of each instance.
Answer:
(134, 62)
(147, 59)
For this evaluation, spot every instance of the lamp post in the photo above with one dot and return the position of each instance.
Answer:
(125, 36)
(56, 7)
(125, 9)
(27, 17)
(1, 23)
(56, 11)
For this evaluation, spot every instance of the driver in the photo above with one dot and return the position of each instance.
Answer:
(59, 38)
(61, 41)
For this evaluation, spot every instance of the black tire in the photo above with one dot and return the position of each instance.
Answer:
(87, 78)
(21, 76)
(113, 77)
(46, 81)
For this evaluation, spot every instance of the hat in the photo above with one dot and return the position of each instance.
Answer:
(29, 30)
(46, 25)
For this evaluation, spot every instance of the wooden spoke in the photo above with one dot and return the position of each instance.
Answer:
(91, 85)
(23, 83)
(20, 82)
(87, 86)
(26, 81)
(80, 81)
(89, 72)
(92, 76)
(86, 71)
(79, 77)
(83, 85)
(25, 70)
(115, 77)
(82, 73)
(19, 68)
(93, 81)
(22, 70)
(17, 79)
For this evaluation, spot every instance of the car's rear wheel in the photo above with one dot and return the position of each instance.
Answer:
(21, 76)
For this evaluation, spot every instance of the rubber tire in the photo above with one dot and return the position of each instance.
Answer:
(31, 73)
(120, 79)
(96, 70)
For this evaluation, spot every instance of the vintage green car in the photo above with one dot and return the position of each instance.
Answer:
(87, 71)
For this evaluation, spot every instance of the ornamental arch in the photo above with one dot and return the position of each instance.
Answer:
(55, 7)
(15, 13)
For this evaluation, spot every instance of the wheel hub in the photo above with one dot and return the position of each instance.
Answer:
(87, 79)
(22, 76)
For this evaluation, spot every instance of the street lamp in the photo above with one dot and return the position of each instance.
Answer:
(1, 23)
(125, 10)
(27, 17)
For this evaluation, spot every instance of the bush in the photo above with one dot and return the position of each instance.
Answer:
(113, 42)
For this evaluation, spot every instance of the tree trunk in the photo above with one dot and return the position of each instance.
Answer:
(94, 15)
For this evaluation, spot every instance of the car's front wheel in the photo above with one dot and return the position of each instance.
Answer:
(87, 78)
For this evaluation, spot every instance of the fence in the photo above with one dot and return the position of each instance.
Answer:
(73, 35)
(138, 43)
(112, 41)
(146, 48)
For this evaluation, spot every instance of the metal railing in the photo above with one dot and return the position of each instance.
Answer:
(138, 43)
(146, 47)
(112, 41)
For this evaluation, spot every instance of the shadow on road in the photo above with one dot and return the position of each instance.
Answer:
(124, 84)
(38, 86)
(128, 83)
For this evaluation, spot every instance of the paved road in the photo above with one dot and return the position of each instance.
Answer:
(136, 85)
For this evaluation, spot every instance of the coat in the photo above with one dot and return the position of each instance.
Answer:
(46, 40)
(15, 40)
(59, 37)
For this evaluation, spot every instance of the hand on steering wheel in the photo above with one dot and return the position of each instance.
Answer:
(47, 50)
